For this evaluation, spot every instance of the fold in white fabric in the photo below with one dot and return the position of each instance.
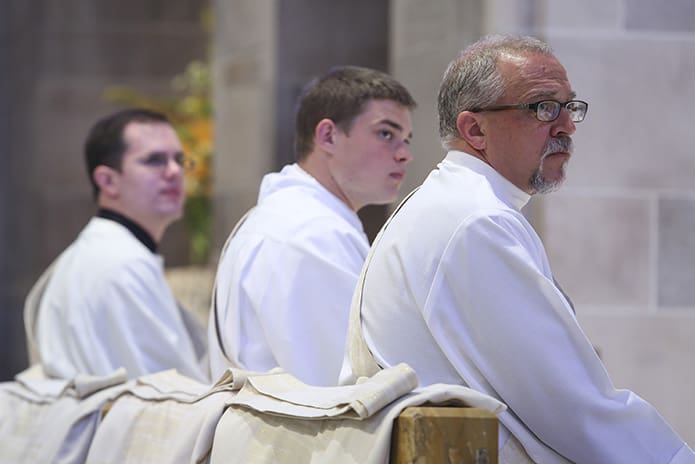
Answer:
(164, 417)
(234, 379)
(285, 395)
(49, 420)
(35, 380)
(245, 434)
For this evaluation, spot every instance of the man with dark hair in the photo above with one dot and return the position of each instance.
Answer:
(104, 302)
(459, 287)
(285, 280)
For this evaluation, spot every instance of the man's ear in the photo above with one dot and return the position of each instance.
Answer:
(324, 134)
(470, 129)
(107, 180)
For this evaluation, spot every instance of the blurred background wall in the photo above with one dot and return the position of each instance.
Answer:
(619, 233)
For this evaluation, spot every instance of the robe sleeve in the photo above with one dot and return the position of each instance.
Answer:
(493, 306)
(141, 324)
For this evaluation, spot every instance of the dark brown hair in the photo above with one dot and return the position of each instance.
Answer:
(341, 95)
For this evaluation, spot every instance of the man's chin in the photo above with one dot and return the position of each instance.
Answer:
(391, 199)
(540, 184)
(385, 199)
(172, 214)
(544, 186)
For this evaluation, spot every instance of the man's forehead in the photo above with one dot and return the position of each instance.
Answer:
(159, 136)
(144, 130)
(136, 127)
(379, 103)
(380, 110)
(535, 74)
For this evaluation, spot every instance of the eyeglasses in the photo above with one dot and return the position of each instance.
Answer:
(159, 160)
(546, 110)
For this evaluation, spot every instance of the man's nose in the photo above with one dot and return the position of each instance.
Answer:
(173, 168)
(563, 124)
(404, 154)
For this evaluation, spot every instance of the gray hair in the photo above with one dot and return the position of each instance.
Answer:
(472, 80)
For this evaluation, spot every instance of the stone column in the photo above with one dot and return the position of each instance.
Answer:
(425, 36)
(244, 80)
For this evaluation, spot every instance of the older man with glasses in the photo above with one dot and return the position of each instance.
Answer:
(104, 303)
(458, 284)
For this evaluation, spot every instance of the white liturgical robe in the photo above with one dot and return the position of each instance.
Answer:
(459, 287)
(106, 305)
(285, 281)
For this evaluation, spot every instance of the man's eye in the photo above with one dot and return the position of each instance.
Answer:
(156, 160)
(386, 134)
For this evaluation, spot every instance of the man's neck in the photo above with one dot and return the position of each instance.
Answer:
(323, 176)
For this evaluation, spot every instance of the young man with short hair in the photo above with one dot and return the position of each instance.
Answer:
(285, 280)
(104, 303)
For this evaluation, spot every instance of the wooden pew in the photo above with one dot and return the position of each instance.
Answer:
(444, 435)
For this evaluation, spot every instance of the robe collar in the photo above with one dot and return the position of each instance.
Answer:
(293, 175)
(509, 193)
(139, 233)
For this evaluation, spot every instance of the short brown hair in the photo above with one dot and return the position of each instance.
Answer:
(341, 95)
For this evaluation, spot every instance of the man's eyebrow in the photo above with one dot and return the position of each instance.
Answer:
(391, 123)
(155, 153)
(551, 95)
(164, 152)
(395, 125)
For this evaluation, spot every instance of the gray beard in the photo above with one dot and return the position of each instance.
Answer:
(538, 183)
(541, 185)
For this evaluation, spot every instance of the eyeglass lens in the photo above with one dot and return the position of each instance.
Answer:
(161, 160)
(549, 110)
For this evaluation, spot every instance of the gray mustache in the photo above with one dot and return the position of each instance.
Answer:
(559, 144)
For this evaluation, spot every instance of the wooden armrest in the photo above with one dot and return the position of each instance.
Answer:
(444, 434)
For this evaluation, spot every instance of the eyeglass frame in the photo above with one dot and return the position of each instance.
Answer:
(534, 108)
(159, 160)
